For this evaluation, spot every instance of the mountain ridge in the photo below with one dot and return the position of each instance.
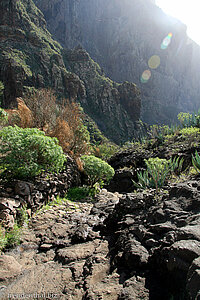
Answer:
(122, 36)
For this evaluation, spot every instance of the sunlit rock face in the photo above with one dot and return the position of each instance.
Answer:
(122, 36)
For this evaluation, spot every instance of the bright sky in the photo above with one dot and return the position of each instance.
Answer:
(186, 11)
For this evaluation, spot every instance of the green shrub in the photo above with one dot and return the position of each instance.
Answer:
(106, 150)
(190, 131)
(184, 118)
(97, 170)
(157, 172)
(27, 152)
(3, 239)
(13, 236)
(10, 238)
(3, 116)
(189, 120)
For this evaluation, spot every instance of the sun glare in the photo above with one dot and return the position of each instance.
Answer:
(186, 11)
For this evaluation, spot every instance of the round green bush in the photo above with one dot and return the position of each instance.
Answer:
(26, 152)
(96, 169)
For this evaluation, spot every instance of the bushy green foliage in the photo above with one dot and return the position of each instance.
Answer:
(13, 236)
(10, 238)
(196, 161)
(190, 131)
(3, 116)
(27, 152)
(189, 120)
(3, 239)
(97, 170)
(157, 172)
(184, 118)
(106, 150)
(158, 131)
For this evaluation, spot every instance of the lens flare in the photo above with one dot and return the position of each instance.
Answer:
(166, 41)
(154, 62)
(145, 76)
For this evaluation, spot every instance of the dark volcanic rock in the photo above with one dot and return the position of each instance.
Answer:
(33, 195)
(193, 279)
(122, 181)
(131, 246)
(162, 239)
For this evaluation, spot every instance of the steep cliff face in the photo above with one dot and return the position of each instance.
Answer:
(29, 57)
(122, 36)
(114, 107)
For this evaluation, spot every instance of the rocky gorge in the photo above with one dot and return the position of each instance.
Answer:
(122, 246)
(127, 232)
(118, 245)
(31, 59)
(122, 36)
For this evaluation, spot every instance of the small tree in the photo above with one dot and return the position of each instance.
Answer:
(27, 152)
(97, 170)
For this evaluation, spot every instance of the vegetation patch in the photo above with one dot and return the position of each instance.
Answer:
(97, 170)
(10, 238)
(27, 152)
(157, 172)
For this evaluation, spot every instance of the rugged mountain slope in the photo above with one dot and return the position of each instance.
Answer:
(122, 36)
(29, 57)
(113, 106)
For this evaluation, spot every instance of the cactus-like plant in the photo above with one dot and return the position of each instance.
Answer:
(157, 172)
(196, 161)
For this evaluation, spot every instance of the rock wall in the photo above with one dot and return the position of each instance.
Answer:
(122, 36)
(115, 107)
(30, 58)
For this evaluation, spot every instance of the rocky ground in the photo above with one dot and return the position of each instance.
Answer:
(123, 246)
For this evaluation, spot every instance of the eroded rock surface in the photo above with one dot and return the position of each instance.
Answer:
(130, 246)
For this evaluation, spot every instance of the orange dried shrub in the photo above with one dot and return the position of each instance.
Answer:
(63, 133)
(79, 164)
(79, 140)
(63, 121)
(96, 151)
(25, 114)
(21, 116)
(13, 117)
(42, 104)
